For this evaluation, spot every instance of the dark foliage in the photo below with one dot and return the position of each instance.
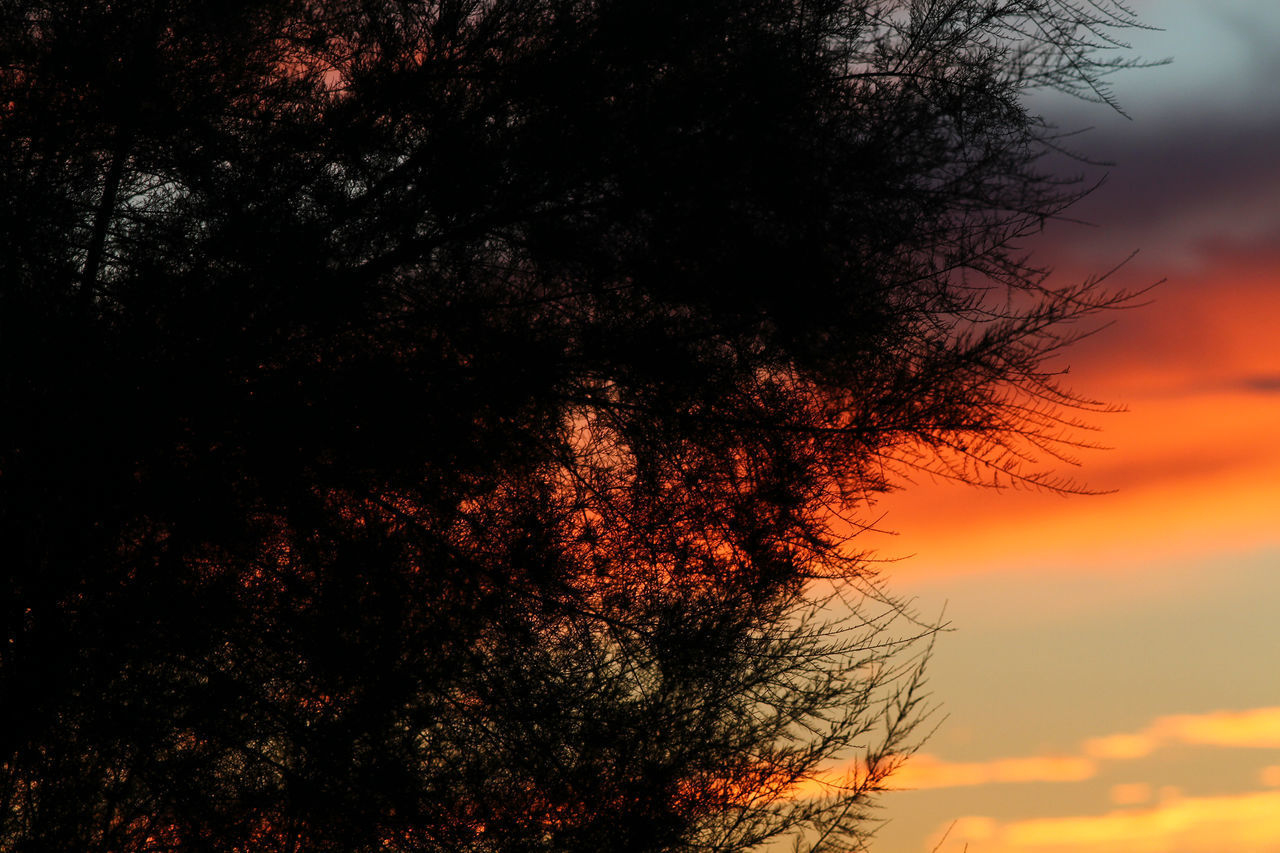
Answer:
(429, 425)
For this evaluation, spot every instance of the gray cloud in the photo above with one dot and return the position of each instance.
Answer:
(1197, 167)
(1266, 383)
(1176, 187)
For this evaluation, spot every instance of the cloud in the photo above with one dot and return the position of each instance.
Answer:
(1196, 466)
(1257, 727)
(1243, 822)
(1196, 163)
(1267, 383)
(1120, 747)
(927, 771)
(1130, 794)
(1179, 194)
(923, 771)
(1253, 728)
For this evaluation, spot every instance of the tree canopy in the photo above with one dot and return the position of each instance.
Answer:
(433, 425)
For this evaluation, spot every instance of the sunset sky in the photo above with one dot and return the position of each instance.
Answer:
(1112, 682)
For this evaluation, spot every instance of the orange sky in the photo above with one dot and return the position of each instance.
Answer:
(1112, 678)
(1193, 465)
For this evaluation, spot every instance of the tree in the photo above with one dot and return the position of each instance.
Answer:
(432, 422)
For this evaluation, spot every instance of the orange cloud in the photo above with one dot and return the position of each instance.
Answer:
(1130, 794)
(1120, 747)
(1257, 728)
(1195, 475)
(1241, 823)
(1254, 727)
(924, 771)
(1195, 462)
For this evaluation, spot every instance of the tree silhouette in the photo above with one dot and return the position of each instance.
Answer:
(431, 425)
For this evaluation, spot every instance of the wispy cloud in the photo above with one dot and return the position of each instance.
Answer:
(923, 771)
(1249, 728)
(1256, 727)
(927, 771)
(1244, 823)
(1196, 473)
(1130, 793)
(1267, 383)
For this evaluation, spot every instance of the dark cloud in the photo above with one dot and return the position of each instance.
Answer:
(1266, 383)
(1196, 168)
(1177, 186)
